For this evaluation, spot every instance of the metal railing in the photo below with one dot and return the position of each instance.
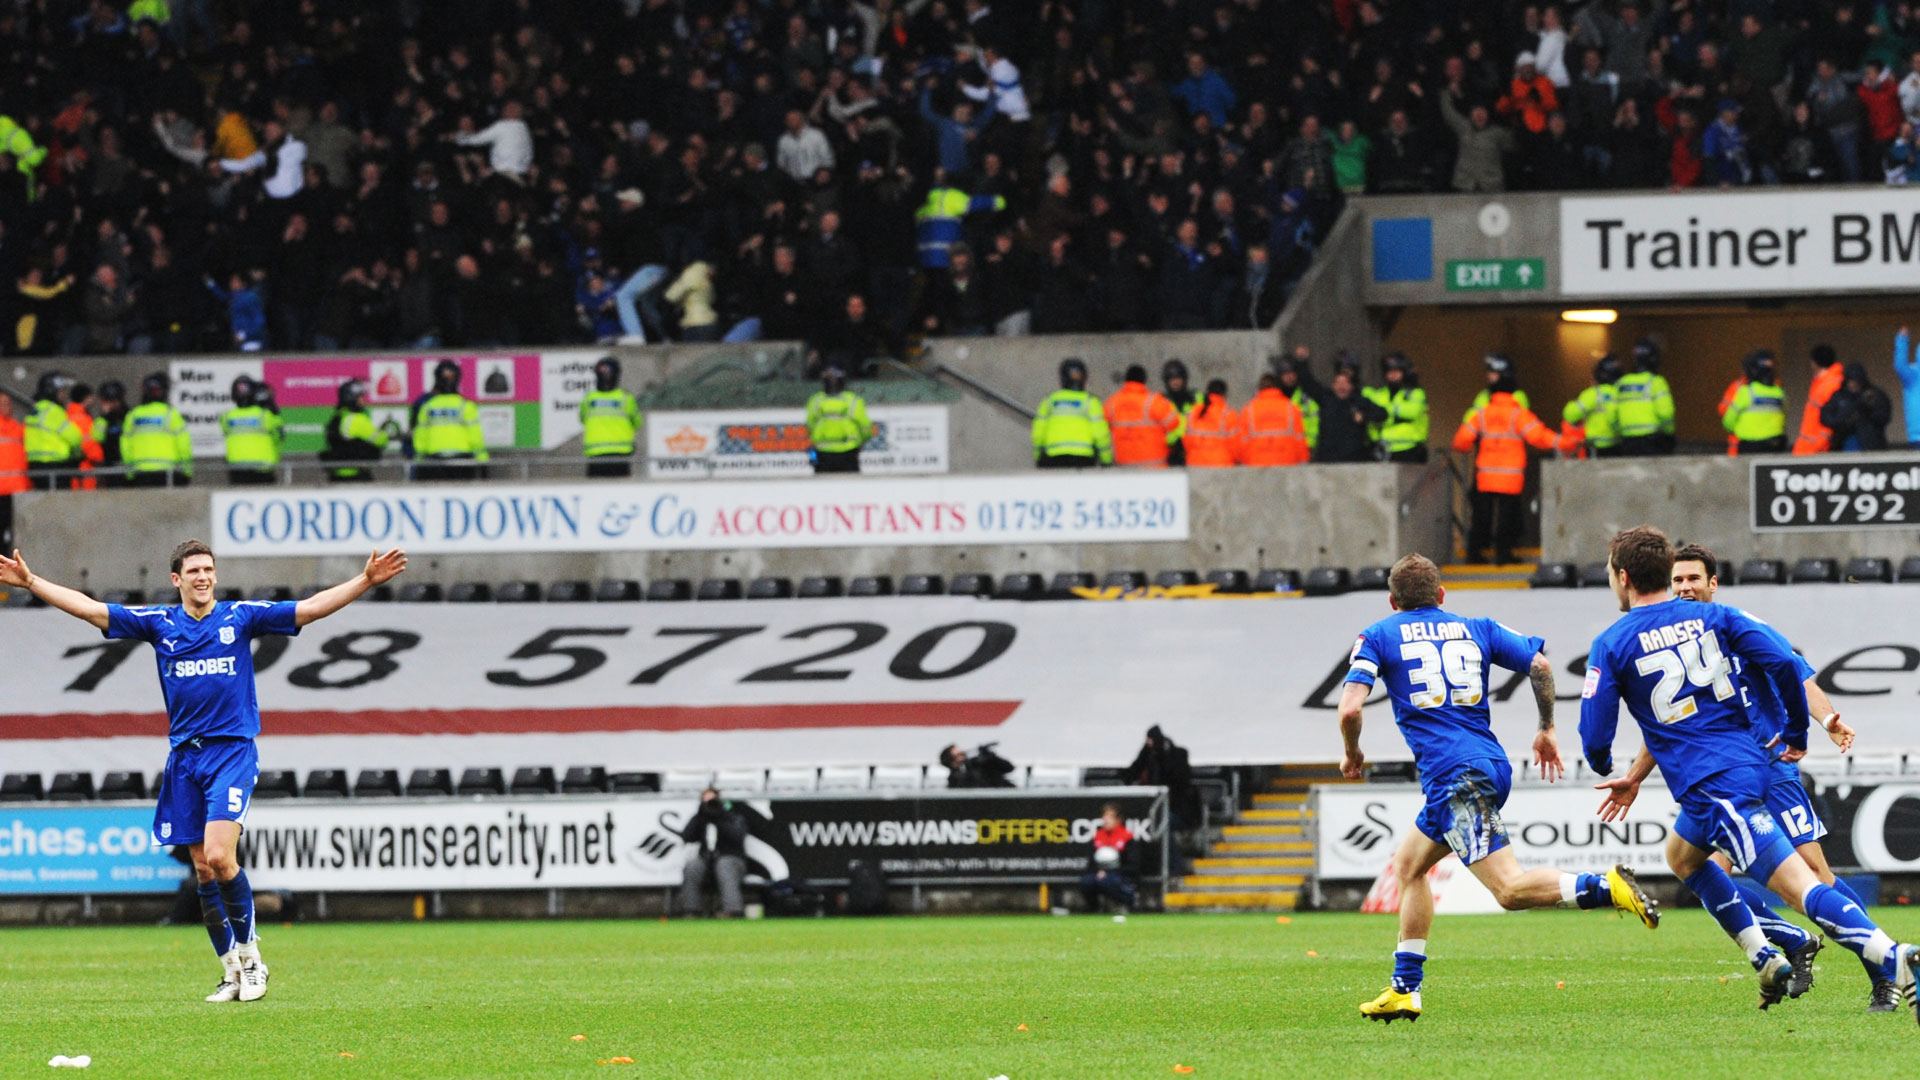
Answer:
(308, 471)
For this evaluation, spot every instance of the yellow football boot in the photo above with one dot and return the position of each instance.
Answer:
(1392, 1005)
(1628, 897)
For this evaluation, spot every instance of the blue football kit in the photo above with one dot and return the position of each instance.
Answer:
(1786, 797)
(213, 715)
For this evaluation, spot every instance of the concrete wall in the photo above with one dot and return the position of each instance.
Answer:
(1694, 499)
(1297, 518)
(1027, 369)
(1327, 310)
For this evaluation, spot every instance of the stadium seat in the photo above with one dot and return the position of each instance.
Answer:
(1230, 581)
(1814, 571)
(719, 589)
(377, 784)
(123, 597)
(482, 781)
(770, 588)
(900, 777)
(125, 785)
(273, 784)
(791, 781)
(1762, 572)
(871, 585)
(326, 784)
(617, 591)
(517, 592)
(1065, 582)
(381, 594)
(822, 587)
(971, 585)
(740, 781)
(685, 781)
(422, 782)
(1593, 575)
(1019, 587)
(634, 783)
(228, 596)
(1175, 579)
(1728, 573)
(844, 777)
(272, 594)
(534, 780)
(71, 787)
(575, 592)
(1394, 772)
(420, 592)
(1276, 581)
(1554, 576)
(1326, 581)
(1050, 777)
(922, 585)
(1103, 776)
(1862, 571)
(1370, 579)
(306, 591)
(584, 780)
(470, 592)
(1910, 568)
(670, 589)
(1124, 579)
(15, 598)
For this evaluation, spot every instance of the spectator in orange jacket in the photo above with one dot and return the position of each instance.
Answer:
(1145, 424)
(1501, 430)
(1726, 402)
(1276, 433)
(1816, 437)
(1214, 436)
(13, 467)
(90, 452)
(1530, 95)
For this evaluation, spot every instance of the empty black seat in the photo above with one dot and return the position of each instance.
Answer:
(376, 784)
(769, 588)
(822, 587)
(719, 589)
(634, 783)
(123, 597)
(381, 594)
(326, 784)
(482, 782)
(71, 787)
(534, 780)
(277, 784)
(517, 592)
(870, 585)
(429, 782)
(1104, 776)
(1019, 587)
(617, 591)
(971, 585)
(1066, 581)
(1276, 581)
(1326, 581)
(1174, 579)
(1124, 579)
(125, 785)
(1230, 581)
(20, 786)
(1593, 575)
(1554, 576)
(584, 779)
(15, 598)
(272, 594)
(574, 592)
(922, 585)
(1868, 569)
(1814, 571)
(421, 592)
(670, 589)
(1763, 572)
(228, 596)
(470, 592)
(1910, 568)
(306, 591)
(1370, 578)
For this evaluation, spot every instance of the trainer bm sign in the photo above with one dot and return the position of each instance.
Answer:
(1738, 243)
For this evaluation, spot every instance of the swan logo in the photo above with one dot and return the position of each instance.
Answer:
(1367, 835)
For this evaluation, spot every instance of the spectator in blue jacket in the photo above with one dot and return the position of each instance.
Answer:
(246, 311)
(1907, 366)
(1205, 91)
(953, 135)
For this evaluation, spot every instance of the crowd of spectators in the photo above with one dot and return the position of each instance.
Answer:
(219, 174)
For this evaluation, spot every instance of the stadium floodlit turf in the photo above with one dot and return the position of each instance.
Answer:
(1227, 996)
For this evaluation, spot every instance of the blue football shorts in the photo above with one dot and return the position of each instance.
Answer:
(1727, 812)
(205, 780)
(1791, 806)
(1463, 808)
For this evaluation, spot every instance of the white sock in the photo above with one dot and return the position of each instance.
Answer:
(1569, 889)
(1415, 945)
(250, 950)
(230, 960)
(1879, 947)
(1754, 941)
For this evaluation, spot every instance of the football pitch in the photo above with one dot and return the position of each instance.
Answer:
(956, 998)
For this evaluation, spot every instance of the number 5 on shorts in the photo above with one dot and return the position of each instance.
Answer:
(236, 799)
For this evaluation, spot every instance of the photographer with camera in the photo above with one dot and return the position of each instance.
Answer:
(1111, 871)
(720, 829)
(981, 769)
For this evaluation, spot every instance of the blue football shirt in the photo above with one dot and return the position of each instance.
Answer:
(1435, 667)
(206, 665)
(1672, 663)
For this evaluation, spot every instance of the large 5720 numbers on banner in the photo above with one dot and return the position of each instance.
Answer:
(1056, 515)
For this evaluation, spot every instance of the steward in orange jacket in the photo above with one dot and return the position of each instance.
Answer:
(1726, 402)
(1499, 433)
(1816, 437)
(13, 467)
(1214, 436)
(90, 452)
(1145, 425)
(1276, 433)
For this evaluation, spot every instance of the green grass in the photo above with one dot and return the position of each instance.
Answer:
(1231, 996)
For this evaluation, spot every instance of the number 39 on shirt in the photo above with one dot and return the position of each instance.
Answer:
(1447, 671)
(1698, 662)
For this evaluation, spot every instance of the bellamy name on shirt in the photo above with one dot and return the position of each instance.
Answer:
(1666, 637)
(1433, 631)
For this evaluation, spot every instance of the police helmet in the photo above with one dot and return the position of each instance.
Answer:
(1073, 373)
(1500, 363)
(352, 394)
(243, 390)
(1396, 361)
(263, 397)
(446, 377)
(154, 388)
(52, 385)
(606, 374)
(111, 390)
(833, 380)
(1175, 368)
(1759, 366)
(1646, 355)
(1135, 373)
(1608, 370)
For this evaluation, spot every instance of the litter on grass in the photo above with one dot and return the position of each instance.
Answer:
(62, 1061)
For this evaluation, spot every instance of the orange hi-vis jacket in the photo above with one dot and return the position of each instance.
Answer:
(1276, 432)
(1726, 402)
(1144, 425)
(1216, 438)
(13, 457)
(1504, 430)
(1816, 437)
(90, 452)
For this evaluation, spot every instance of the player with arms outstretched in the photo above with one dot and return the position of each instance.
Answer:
(206, 676)
(1435, 667)
(1669, 662)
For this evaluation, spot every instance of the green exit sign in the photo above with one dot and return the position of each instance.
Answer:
(1484, 275)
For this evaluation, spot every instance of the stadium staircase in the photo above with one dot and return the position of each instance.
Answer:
(1484, 576)
(1259, 862)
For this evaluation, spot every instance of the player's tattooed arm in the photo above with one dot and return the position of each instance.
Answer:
(14, 572)
(1540, 674)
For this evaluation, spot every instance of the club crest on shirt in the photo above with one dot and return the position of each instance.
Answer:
(226, 635)
(1762, 824)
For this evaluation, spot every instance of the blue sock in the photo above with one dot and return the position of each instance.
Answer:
(1846, 890)
(1591, 891)
(237, 897)
(1722, 900)
(218, 929)
(1778, 930)
(1409, 968)
(1846, 922)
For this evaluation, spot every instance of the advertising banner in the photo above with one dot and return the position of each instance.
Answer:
(1835, 494)
(503, 518)
(749, 443)
(887, 680)
(1873, 825)
(1738, 244)
(83, 849)
(1360, 827)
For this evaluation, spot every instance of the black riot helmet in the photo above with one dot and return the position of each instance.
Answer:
(1646, 356)
(263, 397)
(243, 390)
(606, 374)
(833, 380)
(1760, 366)
(1500, 367)
(52, 385)
(352, 395)
(1175, 368)
(1073, 374)
(112, 393)
(154, 388)
(1608, 370)
(446, 377)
